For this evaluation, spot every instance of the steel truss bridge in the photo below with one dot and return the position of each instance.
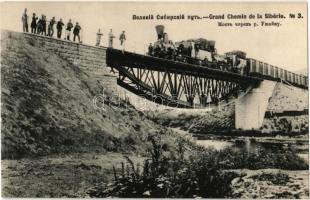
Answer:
(176, 84)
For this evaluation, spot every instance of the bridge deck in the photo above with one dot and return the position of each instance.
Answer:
(116, 58)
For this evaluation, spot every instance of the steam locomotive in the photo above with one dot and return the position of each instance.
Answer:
(203, 52)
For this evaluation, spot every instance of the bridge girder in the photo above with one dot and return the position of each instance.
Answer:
(175, 84)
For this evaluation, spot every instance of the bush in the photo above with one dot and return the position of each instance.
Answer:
(168, 174)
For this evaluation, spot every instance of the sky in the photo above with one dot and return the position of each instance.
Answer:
(284, 46)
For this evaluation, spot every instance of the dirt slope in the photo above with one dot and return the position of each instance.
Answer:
(205, 121)
(47, 106)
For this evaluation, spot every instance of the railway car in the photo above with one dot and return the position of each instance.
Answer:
(253, 66)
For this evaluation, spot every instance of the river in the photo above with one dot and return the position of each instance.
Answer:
(299, 144)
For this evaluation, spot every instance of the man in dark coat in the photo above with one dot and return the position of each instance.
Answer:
(59, 26)
(34, 23)
(156, 51)
(151, 49)
(40, 25)
(76, 31)
(43, 24)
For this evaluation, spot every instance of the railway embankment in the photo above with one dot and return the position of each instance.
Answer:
(55, 100)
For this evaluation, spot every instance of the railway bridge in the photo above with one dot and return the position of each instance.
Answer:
(183, 85)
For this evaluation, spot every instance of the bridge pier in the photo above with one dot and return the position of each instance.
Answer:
(250, 109)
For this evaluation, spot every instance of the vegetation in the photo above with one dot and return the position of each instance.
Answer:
(168, 174)
(198, 173)
(259, 158)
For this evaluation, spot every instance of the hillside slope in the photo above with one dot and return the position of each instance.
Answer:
(217, 119)
(47, 106)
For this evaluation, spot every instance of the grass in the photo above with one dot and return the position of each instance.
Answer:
(167, 174)
(189, 174)
(260, 158)
(58, 176)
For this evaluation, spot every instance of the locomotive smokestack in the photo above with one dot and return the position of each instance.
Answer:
(160, 31)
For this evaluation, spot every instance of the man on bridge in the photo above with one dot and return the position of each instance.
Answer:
(68, 30)
(59, 26)
(122, 39)
(76, 31)
(34, 23)
(25, 21)
(98, 39)
(50, 31)
(111, 37)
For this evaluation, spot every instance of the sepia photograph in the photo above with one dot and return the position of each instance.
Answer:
(154, 99)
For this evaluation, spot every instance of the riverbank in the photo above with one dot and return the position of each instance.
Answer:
(69, 175)
(75, 175)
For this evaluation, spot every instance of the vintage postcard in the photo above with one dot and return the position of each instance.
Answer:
(154, 100)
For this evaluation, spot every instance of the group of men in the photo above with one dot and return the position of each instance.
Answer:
(38, 26)
(169, 50)
(122, 38)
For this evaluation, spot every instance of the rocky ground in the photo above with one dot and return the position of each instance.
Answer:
(271, 184)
